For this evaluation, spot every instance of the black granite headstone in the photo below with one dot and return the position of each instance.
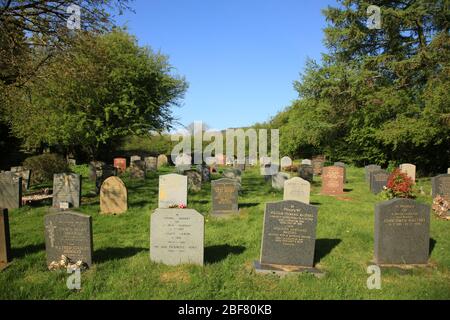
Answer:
(378, 180)
(368, 169)
(306, 172)
(441, 186)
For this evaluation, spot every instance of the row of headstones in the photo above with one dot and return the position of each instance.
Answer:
(401, 236)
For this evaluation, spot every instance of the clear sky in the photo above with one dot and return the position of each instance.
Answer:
(240, 57)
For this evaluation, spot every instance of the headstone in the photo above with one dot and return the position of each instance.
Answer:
(10, 191)
(172, 190)
(120, 164)
(177, 237)
(72, 162)
(95, 170)
(289, 236)
(307, 162)
(378, 180)
(441, 186)
(183, 163)
(99, 172)
(402, 232)
(225, 193)
(66, 188)
(135, 158)
(305, 171)
(24, 174)
(151, 163)
(279, 179)
(341, 164)
(162, 160)
(69, 234)
(194, 180)
(410, 170)
(204, 172)
(332, 180)
(318, 163)
(297, 189)
(234, 174)
(5, 243)
(369, 169)
(448, 171)
(285, 163)
(137, 169)
(113, 196)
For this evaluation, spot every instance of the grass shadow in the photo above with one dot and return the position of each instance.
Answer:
(109, 254)
(348, 190)
(214, 254)
(324, 247)
(248, 205)
(315, 203)
(30, 249)
(432, 245)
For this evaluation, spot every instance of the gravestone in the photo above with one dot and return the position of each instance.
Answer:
(71, 162)
(66, 190)
(162, 160)
(441, 186)
(17, 169)
(234, 174)
(5, 243)
(285, 163)
(279, 179)
(120, 164)
(183, 163)
(137, 170)
(341, 164)
(205, 171)
(151, 163)
(225, 193)
(10, 190)
(289, 236)
(332, 180)
(172, 190)
(194, 180)
(95, 170)
(297, 189)
(24, 174)
(317, 167)
(99, 172)
(113, 196)
(402, 232)
(177, 237)
(410, 170)
(135, 158)
(448, 171)
(369, 169)
(307, 162)
(69, 234)
(305, 171)
(378, 180)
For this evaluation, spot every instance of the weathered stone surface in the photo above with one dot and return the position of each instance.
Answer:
(225, 193)
(10, 190)
(138, 170)
(344, 166)
(5, 243)
(24, 174)
(66, 189)
(410, 170)
(151, 163)
(120, 164)
(305, 171)
(234, 174)
(378, 180)
(285, 163)
(220, 159)
(135, 158)
(369, 169)
(441, 186)
(332, 180)
(279, 179)
(205, 172)
(162, 160)
(172, 190)
(194, 180)
(289, 234)
(318, 163)
(177, 237)
(297, 189)
(69, 234)
(113, 196)
(402, 232)
(307, 162)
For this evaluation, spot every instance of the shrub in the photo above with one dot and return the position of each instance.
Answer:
(44, 166)
(399, 185)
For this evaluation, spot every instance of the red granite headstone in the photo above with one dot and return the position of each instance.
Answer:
(332, 180)
(120, 164)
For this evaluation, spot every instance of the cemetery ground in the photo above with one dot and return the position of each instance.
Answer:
(122, 268)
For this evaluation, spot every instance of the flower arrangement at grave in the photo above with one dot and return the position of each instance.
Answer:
(65, 263)
(178, 206)
(399, 185)
(441, 208)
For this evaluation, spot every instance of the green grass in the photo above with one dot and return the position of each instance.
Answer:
(122, 269)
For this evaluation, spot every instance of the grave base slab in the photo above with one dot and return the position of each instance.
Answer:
(289, 270)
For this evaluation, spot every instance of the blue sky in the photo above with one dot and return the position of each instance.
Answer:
(240, 57)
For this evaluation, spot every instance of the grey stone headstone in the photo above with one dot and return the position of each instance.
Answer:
(305, 172)
(234, 174)
(402, 232)
(10, 190)
(5, 243)
(151, 163)
(279, 179)
(378, 180)
(410, 170)
(225, 193)
(172, 190)
(307, 162)
(194, 180)
(205, 172)
(135, 158)
(342, 165)
(441, 186)
(177, 237)
(297, 189)
(289, 234)
(69, 234)
(137, 169)
(285, 163)
(24, 174)
(368, 169)
(67, 188)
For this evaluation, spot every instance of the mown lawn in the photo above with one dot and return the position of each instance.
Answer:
(122, 269)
